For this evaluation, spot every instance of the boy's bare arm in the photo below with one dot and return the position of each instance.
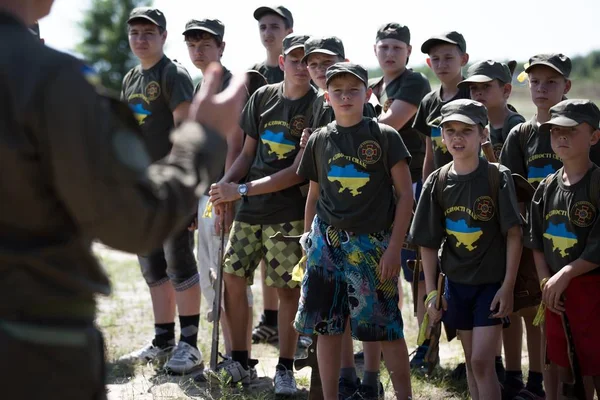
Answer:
(278, 181)
(240, 167)
(428, 162)
(514, 248)
(429, 258)
(235, 145)
(399, 113)
(541, 266)
(310, 209)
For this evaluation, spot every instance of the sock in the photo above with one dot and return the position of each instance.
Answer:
(271, 317)
(500, 371)
(514, 378)
(164, 335)
(534, 383)
(371, 378)
(189, 329)
(241, 357)
(349, 374)
(288, 363)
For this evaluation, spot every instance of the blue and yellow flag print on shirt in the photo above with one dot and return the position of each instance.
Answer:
(562, 240)
(436, 138)
(278, 144)
(536, 175)
(140, 112)
(465, 235)
(349, 178)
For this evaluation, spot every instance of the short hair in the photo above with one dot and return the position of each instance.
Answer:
(142, 21)
(202, 35)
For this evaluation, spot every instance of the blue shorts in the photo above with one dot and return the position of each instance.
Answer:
(409, 254)
(342, 281)
(469, 305)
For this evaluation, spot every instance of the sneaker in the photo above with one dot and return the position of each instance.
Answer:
(185, 359)
(263, 333)
(418, 360)
(230, 372)
(252, 363)
(284, 381)
(347, 388)
(365, 392)
(147, 354)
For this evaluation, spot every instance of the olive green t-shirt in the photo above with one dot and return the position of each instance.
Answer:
(425, 122)
(153, 104)
(273, 74)
(277, 128)
(352, 167)
(471, 228)
(564, 223)
(498, 135)
(410, 87)
(323, 112)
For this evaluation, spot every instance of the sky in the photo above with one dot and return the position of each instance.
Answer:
(500, 30)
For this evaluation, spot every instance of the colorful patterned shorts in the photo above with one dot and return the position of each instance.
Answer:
(248, 244)
(342, 280)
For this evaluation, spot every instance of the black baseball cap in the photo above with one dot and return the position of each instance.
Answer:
(557, 61)
(278, 10)
(331, 45)
(347, 68)
(447, 37)
(393, 30)
(151, 14)
(212, 26)
(470, 112)
(572, 112)
(486, 71)
(293, 42)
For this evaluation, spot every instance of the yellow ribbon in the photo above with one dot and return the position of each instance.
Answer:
(208, 210)
(540, 316)
(299, 270)
(423, 329)
(523, 75)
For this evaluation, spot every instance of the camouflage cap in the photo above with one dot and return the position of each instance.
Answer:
(331, 45)
(347, 68)
(393, 30)
(292, 42)
(151, 14)
(452, 37)
(572, 112)
(486, 71)
(470, 112)
(278, 10)
(212, 26)
(557, 61)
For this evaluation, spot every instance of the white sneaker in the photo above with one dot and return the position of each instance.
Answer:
(185, 359)
(146, 354)
(284, 381)
(231, 371)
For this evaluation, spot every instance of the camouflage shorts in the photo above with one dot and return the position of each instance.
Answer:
(248, 244)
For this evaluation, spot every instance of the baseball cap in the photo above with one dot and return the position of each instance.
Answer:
(331, 45)
(347, 68)
(279, 10)
(212, 26)
(447, 37)
(393, 30)
(470, 112)
(557, 61)
(485, 71)
(293, 42)
(151, 14)
(572, 112)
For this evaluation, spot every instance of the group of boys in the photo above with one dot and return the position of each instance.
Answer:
(325, 153)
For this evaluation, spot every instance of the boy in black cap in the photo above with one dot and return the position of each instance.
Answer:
(565, 239)
(274, 23)
(159, 93)
(354, 233)
(481, 235)
(272, 201)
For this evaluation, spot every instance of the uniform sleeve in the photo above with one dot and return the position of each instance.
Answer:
(534, 238)
(508, 206)
(396, 149)
(369, 111)
(428, 227)
(420, 122)
(308, 165)
(512, 156)
(250, 116)
(100, 170)
(180, 85)
(413, 89)
(513, 121)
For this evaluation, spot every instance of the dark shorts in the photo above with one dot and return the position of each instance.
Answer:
(342, 281)
(582, 305)
(54, 363)
(175, 261)
(409, 254)
(469, 305)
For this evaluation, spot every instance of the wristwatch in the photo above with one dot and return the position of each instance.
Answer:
(243, 191)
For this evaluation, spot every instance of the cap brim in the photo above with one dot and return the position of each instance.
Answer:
(294, 47)
(260, 11)
(144, 17)
(346, 72)
(457, 118)
(212, 32)
(475, 79)
(322, 51)
(545, 63)
(429, 43)
(559, 121)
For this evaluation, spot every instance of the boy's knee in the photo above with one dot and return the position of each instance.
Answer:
(234, 284)
(481, 366)
(288, 295)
